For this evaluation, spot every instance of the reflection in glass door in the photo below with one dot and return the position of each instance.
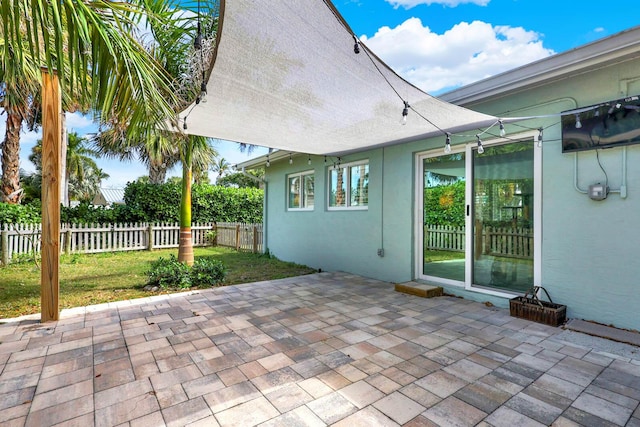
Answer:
(444, 217)
(503, 236)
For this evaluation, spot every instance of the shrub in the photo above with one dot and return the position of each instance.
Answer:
(207, 272)
(169, 273)
(172, 274)
(20, 214)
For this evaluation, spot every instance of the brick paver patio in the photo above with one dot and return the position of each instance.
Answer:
(323, 349)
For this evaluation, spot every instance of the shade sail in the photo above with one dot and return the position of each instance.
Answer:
(286, 76)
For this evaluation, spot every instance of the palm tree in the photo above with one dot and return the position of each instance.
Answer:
(98, 60)
(80, 170)
(85, 190)
(188, 63)
(196, 152)
(221, 166)
(159, 152)
(20, 84)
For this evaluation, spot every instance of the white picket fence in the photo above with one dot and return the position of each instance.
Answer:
(17, 239)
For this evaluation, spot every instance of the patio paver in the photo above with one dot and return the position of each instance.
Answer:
(323, 349)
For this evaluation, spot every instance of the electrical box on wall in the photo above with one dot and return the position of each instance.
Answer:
(598, 191)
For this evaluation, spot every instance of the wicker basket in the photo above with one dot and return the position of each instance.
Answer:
(532, 308)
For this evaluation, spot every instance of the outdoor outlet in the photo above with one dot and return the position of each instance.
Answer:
(380, 252)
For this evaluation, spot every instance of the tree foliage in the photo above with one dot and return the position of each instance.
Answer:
(19, 214)
(239, 180)
(444, 204)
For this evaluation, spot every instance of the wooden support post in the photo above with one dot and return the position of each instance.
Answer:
(238, 237)
(51, 176)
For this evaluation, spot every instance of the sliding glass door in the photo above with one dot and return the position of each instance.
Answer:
(444, 216)
(503, 217)
(478, 217)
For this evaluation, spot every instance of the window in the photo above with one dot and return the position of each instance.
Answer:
(349, 186)
(300, 191)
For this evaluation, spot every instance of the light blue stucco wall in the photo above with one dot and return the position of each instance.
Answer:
(346, 240)
(590, 249)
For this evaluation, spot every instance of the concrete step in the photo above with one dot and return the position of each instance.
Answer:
(603, 331)
(419, 289)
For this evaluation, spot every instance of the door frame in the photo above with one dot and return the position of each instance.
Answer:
(468, 149)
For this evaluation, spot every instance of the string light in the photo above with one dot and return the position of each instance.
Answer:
(203, 90)
(325, 160)
(356, 45)
(184, 124)
(197, 42)
(480, 147)
(405, 113)
(268, 162)
(540, 137)
(447, 144)
(309, 161)
(502, 131)
(578, 122)
(290, 159)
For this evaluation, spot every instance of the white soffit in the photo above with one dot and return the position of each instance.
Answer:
(286, 76)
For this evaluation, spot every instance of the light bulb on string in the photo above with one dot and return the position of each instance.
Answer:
(356, 45)
(502, 131)
(578, 122)
(540, 137)
(309, 161)
(184, 124)
(290, 159)
(447, 144)
(480, 147)
(203, 91)
(268, 162)
(405, 113)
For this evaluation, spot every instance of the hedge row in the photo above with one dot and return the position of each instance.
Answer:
(155, 203)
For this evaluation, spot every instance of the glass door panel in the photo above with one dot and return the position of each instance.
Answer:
(444, 217)
(502, 197)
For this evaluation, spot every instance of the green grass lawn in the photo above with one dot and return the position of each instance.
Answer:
(431, 255)
(99, 278)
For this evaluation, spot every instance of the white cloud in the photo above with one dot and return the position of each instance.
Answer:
(599, 30)
(466, 53)
(77, 122)
(408, 4)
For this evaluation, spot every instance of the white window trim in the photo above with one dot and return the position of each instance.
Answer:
(301, 175)
(348, 207)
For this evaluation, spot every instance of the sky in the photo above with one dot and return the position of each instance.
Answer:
(437, 45)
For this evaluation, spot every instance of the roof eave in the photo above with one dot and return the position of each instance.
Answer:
(610, 50)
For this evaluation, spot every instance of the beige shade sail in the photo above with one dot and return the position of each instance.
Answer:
(285, 76)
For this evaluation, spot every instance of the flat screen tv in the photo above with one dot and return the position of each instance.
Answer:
(605, 125)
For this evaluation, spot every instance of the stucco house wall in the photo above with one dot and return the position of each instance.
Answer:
(589, 249)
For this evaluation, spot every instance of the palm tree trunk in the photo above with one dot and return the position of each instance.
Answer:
(10, 185)
(157, 173)
(185, 248)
